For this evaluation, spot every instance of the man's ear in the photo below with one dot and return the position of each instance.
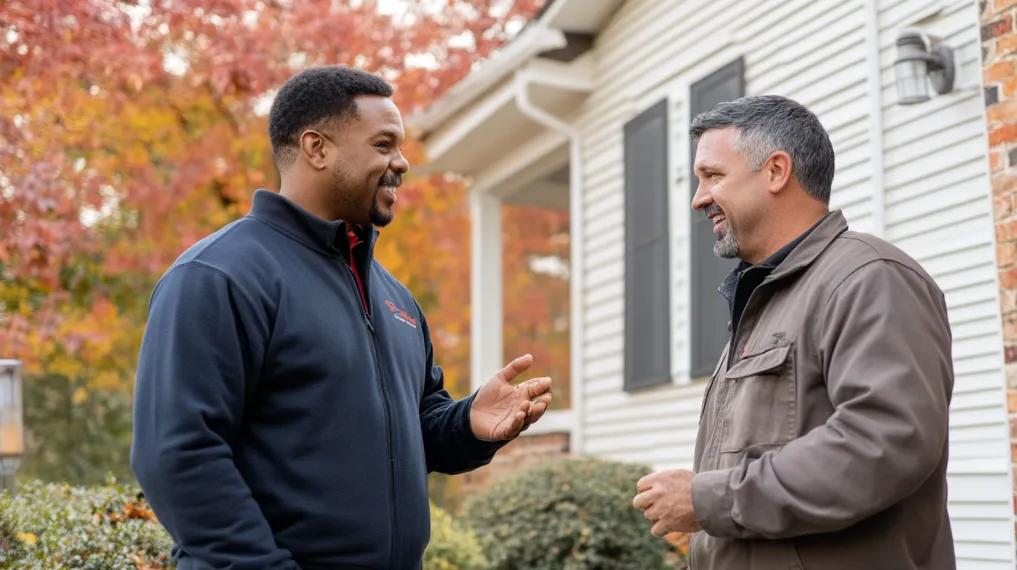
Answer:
(312, 149)
(778, 171)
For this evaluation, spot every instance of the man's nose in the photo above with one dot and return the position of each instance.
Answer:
(701, 199)
(400, 164)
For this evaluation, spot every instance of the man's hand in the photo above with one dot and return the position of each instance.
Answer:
(501, 410)
(665, 498)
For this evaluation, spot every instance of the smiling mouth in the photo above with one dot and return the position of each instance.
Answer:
(389, 192)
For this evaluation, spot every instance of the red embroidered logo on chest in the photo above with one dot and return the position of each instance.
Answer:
(400, 315)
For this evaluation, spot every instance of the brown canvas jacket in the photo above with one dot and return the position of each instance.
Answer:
(824, 444)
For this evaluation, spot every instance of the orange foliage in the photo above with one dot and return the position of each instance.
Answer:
(129, 131)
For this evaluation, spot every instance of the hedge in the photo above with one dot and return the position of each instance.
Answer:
(569, 514)
(111, 527)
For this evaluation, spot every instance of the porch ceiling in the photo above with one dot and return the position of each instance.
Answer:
(551, 191)
(493, 126)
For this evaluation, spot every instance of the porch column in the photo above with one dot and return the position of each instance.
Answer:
(485, 287)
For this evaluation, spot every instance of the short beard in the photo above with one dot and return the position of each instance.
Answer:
(727, 246)
(377, 217)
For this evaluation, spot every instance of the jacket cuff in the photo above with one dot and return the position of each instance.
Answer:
(713, 504)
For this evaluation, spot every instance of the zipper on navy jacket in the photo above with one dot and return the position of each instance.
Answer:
(393, 551)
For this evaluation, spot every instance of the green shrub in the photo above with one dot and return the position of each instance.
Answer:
(453, 546)
(74, 433)
(572, 515)
(50, 526)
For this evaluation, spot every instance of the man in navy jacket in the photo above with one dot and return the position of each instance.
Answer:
(288, 407)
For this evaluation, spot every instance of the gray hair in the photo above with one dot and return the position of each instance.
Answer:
(770, 123)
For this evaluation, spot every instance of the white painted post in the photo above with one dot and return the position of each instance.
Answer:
(485, 287)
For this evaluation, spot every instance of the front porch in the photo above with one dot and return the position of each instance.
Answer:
(507, 131)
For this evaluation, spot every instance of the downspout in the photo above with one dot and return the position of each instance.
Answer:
(528, 108)
(876, 159)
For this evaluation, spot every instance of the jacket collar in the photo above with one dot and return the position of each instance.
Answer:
(325, 236)
(829, 229)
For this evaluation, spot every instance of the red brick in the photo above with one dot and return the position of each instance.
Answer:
(1007, 44)
(1006, 231)
(520, 454)
(1002, 206)
(1010, 335)
(1010, 355)
(1011, 401)
(1008, 306)
(995, 164)
(1008, 279)
(1002, 112)
(997, 28)
(1006, 254)
(1004, 182)
(1003, 134)
(1001, 5)
(999, 71)
(1013, 431)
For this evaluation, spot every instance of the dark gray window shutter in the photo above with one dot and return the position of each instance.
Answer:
(710, 313)
(647, 283)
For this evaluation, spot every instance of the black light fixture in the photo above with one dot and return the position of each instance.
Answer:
(919, 58)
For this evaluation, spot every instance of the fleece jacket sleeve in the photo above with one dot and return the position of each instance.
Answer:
(449, 443)
(201, 353)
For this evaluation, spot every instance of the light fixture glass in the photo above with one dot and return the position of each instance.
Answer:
(917, 65)
(912, 83)
(12, 441)
(12, 436)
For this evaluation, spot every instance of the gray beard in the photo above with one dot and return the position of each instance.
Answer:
(727, 246)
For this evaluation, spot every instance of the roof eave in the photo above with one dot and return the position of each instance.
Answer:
(534, 40)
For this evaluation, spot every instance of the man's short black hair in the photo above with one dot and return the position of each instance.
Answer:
(316, 98)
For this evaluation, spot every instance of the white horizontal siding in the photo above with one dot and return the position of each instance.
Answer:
(937, 208)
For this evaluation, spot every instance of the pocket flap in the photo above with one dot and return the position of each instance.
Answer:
(761, 363)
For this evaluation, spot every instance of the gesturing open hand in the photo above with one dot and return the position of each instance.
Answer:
(502, 410)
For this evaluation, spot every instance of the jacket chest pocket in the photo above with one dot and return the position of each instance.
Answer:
(761, 403)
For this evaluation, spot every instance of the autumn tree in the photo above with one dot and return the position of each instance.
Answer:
(131, 129)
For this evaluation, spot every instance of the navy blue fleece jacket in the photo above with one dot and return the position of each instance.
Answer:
(277, 424)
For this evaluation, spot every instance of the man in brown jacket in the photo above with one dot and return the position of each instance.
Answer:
(823, 436)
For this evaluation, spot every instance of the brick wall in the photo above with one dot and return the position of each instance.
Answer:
(521, 454)
(999, 58)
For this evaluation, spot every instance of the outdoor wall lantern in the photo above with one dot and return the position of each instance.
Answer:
(919, 57)
(12, 440)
